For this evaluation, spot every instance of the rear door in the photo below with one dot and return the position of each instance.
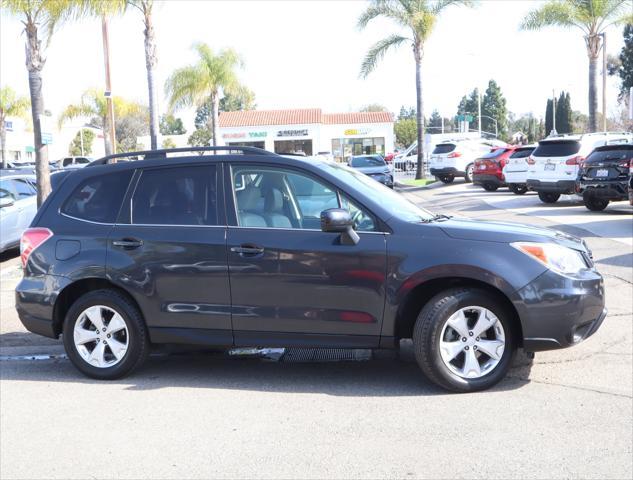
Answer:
(169, 251)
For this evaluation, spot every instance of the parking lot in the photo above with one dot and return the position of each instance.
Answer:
(567, 414)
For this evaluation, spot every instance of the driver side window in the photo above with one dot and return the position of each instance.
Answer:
(363, 221)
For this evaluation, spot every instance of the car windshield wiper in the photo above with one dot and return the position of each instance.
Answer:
(438, 217)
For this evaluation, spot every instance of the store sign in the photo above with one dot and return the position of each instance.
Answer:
(245, 135)
(293, 133)
(357, 131)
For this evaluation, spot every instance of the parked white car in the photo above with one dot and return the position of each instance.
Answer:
(515, 169)
(18, 205)
(72, 162)
(456, 159)
(553, 166)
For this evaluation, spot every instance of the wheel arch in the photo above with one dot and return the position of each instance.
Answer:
(420, 295)
(75, 290)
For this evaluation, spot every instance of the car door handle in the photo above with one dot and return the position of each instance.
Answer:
(128, 243)
(248, 250)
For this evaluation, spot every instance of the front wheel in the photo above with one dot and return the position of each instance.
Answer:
(518, 189)
(468, 177)
(594, 204)
(463, 340)
(104, 335)
(490, 187)
(548, 197)
(447, 179)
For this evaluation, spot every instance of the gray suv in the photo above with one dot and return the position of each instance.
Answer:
(253, 249)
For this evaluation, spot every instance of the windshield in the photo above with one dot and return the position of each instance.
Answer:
(444, 148)
(522, 153)
(359, 162)
(393, 202)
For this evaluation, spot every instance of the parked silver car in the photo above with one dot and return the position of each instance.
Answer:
(18, 205)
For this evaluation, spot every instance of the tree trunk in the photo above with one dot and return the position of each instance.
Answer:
(35, 64)
(215, 107)
(593, 51)
(107, 144)
(3, 141)
(150, 62)
(420, 167)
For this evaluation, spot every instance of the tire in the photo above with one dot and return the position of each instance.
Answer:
(490, 187)
(593, 203)
(447, 179)
(518, 189)
(548, 197)
(432, 322)
(132, 334)
(468, 175)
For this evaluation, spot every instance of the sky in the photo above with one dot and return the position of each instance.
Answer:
(307, 54)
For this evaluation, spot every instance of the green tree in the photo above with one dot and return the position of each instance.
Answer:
(564, 113)
(405, 130)
(417, 18)
(434, 124)
(625, 69)
(192, 85)
(131, 124)
(170, 125)
(374, 107)
(493, 108)
(242, 99)
(592, 17)
(201, 137)
(93, 105)
(407, 113)
(11, 105)
(168, 143)
(82, 143)
(549, 116)
(40, 18)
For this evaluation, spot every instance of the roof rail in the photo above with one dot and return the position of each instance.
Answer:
(163, 153)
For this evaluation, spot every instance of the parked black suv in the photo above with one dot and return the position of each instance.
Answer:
(254, 249)
(604, 176)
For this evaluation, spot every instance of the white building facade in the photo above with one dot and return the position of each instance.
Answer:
(309, 131)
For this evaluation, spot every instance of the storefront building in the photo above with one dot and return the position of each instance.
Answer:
(309, 131)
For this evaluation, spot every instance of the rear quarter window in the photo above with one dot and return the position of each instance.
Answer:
(557, 149)
(444, 148)
(99, 198)
(611, 154)
(523, 153)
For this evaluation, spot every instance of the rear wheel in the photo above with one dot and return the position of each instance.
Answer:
(463, 340)
(468, 177)
(447, 179)
(518, 189)
(548, 197)
(593, 203)
(490, 187)
(105, 335)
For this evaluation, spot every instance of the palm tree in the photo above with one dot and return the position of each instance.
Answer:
(40, 19)
(211, 75)
(417, 17)
(11, 105)
(93, 105)
(592, 17)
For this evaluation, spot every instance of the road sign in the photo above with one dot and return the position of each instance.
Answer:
(464, 118)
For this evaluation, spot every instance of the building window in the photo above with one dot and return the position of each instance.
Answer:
(344, 148)
(261, 144)
(293, 146)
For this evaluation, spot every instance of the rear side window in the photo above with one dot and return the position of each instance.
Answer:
(557, 149)
(176, 196)
(98, 199)
(444, 148)
(523, 153)
(23, 188)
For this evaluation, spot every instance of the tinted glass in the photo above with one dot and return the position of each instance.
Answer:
(67, 161)
(23, 188)
(176, 196)
(522, 153)
(494, 154)
(7, 190)
(359, 162)
(444, 148)
(611, 154)
(557, 149)
(98, 199)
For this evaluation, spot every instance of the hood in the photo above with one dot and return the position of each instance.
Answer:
(370, 170)
(507, 232)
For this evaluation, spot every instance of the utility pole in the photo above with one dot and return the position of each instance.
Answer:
(604, 81)
(553, 112)
(479, 110)
(108, 93)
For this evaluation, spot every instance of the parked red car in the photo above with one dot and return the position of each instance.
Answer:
(488, 171)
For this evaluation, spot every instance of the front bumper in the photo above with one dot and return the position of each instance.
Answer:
(558, 311)
(484, 178)
(560, 186)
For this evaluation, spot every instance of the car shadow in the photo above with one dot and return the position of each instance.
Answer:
(383, 376)
(9, 254)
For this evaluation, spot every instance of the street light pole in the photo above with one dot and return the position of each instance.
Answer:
(604, 81)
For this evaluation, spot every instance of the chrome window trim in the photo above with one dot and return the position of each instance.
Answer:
(304, 230)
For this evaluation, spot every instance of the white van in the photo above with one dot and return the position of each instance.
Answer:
(554, 164)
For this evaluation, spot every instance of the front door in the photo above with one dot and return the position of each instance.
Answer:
(291, 283)
(170, 253)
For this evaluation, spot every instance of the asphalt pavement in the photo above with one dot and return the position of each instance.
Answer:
(567, 414)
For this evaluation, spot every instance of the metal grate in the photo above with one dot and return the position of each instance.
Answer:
(307, 355)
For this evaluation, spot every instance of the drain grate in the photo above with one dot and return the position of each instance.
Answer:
(306, 355)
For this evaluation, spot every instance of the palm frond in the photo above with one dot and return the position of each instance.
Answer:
(378, 51)
(383, 8)
(187, 86)
(553, 13)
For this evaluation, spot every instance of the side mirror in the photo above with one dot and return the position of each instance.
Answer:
(6, 202)
(338, 220)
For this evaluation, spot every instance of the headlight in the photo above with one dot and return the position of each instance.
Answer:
(555, 257)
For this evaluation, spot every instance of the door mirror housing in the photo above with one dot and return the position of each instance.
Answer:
(338, 220)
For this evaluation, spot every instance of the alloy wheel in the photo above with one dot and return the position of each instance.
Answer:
(101, 336)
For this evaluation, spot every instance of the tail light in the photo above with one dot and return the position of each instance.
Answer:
(454, 155)
(530, 160)
(31, 239)
(574, 161)
(631, 167)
